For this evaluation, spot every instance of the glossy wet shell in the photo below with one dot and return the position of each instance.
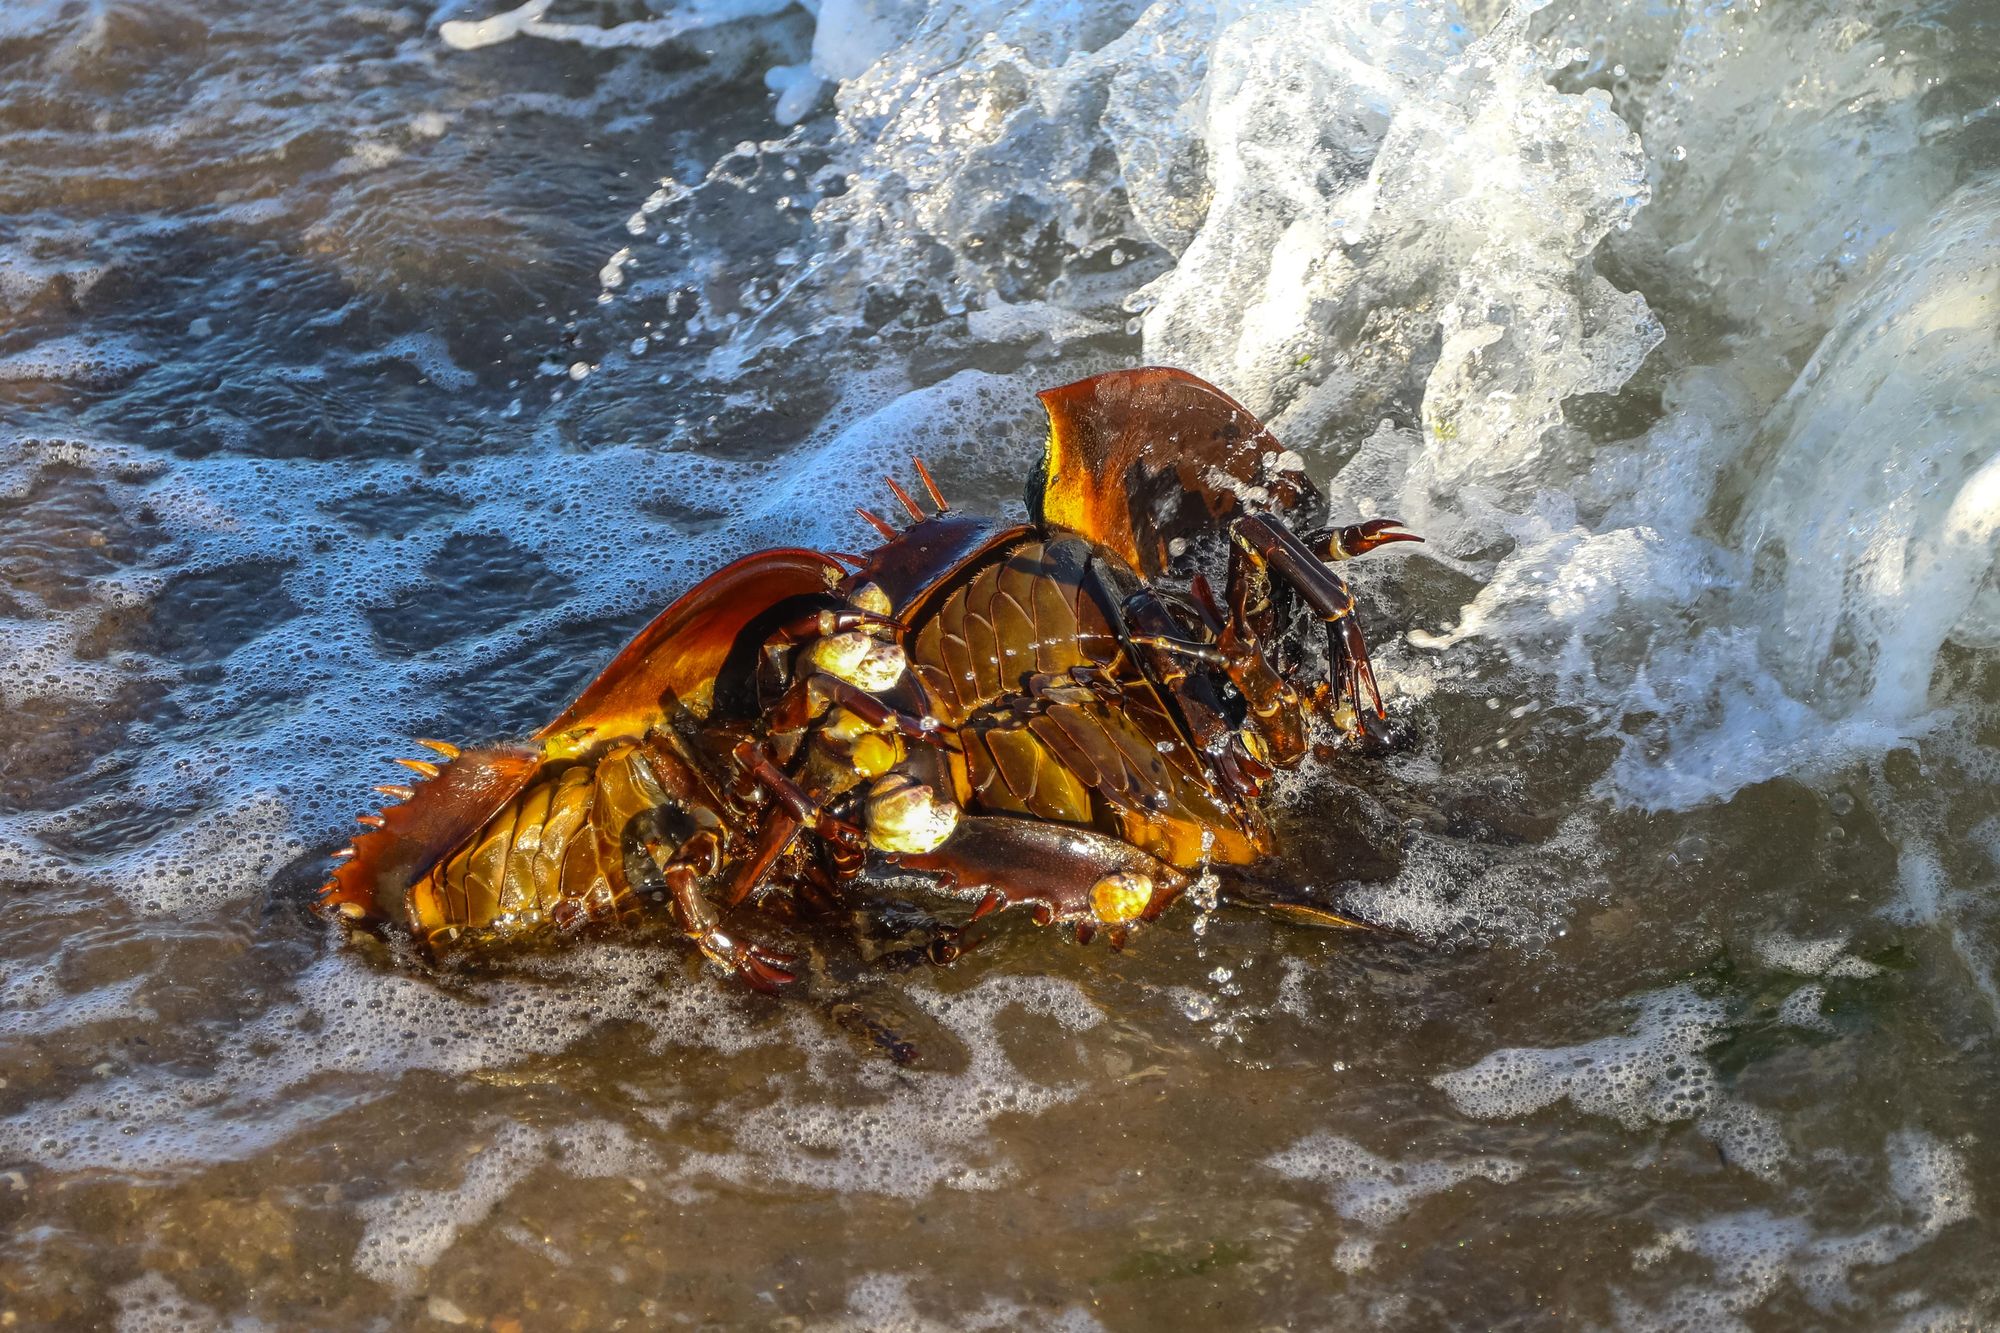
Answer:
(1138, 459)
(555, 856)
(996, 657)
(502, 842)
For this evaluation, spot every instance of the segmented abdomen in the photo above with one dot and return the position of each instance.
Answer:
(553, 856)
(1017, 659)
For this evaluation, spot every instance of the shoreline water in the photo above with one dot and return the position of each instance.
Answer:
(359, 382)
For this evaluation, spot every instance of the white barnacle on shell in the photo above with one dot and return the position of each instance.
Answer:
(904, 815)
(861, 660)
(869, 597)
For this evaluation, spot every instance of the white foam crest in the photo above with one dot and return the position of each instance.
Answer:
(1750, 1255)
(953, 420)
(1788, 145)
(1304, 162)
(1747, 1254)
(368, 1028)
(1875, 527)
(918, 1129)
(1747, 1137)
(883, 1303)
(1375, 1191)
(152, 1304)
(1809, 958)
(33, 1001)
(26, 276)
(1658, 1073)
(1289, 199)
(849, 36)
(601, 1150)
(528, 20)
(1472, 221)
(1931, 895)
(1450, 890)
(432, 357)
(1868, 513)
(79, 359)
(1801, 1009)
(39, 660)
(1940, 1319)
(24, 458)
(979, 95)
(405, 1233)
(230, 848)
(1768, 579)
(355, 1032)
(33, 18)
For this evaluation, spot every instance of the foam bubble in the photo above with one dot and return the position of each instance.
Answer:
(919, 1129)
(527, 20)
(1940, 1319)
(152, 1304)
(352, 1018)
(1658, 1073)
(1801, 1009)
(1807, 957)
(1374, 1191)
(33, 1001)
(883, 1303)
(1450, 889)
(1753, 1253)
(1749, 1138)
(407, 1232)
(1354, 1254)
(84, 360)
(599, 1149)
(432, 357)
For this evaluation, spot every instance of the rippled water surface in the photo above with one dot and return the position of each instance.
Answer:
(374, 371)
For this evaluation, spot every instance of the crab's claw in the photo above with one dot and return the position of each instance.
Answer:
(763, 969)
(1360, 538)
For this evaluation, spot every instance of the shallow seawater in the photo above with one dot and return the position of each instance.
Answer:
(369, 372)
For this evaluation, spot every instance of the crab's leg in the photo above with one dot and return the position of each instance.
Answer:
(1249, 628)
(1065, 873)
(799, 807)
(1038, 694)
(878, 714)
(796, 799)
(1145, 623)
(786, 722)
(780, 827)
(1328, 595)
(764, 969)
(821, 624)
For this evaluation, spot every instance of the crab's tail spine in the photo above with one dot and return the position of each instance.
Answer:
(424, 823)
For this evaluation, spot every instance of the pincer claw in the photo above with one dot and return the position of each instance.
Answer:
(1361, 538)
(762, 969)
(842, 833)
